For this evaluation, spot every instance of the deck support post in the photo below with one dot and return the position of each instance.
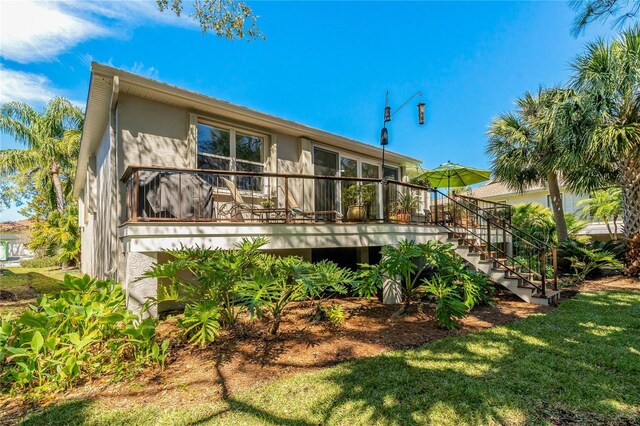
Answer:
(140, 291)
(391, 293)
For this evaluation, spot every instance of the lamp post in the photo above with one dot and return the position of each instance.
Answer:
(384, 133)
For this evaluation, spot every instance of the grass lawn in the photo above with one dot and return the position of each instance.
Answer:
(578, 363)
(27, 284)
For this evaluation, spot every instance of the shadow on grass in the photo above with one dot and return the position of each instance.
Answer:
(577, 364)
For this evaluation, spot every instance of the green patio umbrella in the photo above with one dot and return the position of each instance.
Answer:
(454, 175)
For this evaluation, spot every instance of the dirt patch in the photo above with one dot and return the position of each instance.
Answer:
(248, 356)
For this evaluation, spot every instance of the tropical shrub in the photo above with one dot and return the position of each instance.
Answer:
(79, 332)
(584, 260)
(537, 220)
(449, 307)
(433, 270)
(278, 281)
(210, 276)
(218, 284)
(201, 321)
(40, 262)
(334, 314)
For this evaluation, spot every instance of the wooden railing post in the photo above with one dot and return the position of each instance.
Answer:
(435, 197)
(387, 195)
(554, 254)
(136, 186)
(543, 272)
(287, 213)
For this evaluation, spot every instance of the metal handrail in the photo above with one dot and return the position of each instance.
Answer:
(490, 221)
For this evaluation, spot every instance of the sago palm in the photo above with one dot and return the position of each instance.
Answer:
(609, 77)
(524, 149)
(52, 140)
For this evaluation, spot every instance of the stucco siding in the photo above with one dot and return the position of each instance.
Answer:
(152, 133)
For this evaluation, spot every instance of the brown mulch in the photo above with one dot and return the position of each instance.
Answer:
(248, 356)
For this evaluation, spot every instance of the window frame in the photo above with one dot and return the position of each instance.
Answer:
(233, 131)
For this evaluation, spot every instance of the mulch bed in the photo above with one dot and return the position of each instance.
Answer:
(248, 356)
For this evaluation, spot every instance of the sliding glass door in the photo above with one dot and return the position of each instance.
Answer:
(325, 163)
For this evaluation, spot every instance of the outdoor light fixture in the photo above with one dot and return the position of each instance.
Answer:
(384, 137)
(384, 133)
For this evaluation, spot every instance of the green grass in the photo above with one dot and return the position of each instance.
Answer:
(580, 363)
(23, 282)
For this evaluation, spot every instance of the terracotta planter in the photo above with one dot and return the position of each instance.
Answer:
(403, 217)
(357, 213)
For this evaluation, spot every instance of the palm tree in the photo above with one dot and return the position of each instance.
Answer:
(52, 140)
(608, 75)
(525, 150)
(604, 205)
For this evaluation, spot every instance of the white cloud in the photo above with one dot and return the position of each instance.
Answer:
(27, 87)
(39, 31)
(36, 31)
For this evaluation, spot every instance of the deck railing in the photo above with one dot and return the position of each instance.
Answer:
(521, 254)
(159, 194)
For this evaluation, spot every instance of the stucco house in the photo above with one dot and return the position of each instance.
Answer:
(501, 193)
(160, 167)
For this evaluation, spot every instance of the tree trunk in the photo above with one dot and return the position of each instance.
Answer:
(630, 172)
(556, 206)
(57, 184)
(631, 196)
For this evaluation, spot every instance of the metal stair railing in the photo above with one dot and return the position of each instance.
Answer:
(520, 254)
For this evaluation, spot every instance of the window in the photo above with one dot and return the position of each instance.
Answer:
(348, 167)
(370, 170)
(390, 173)
(227, 149)
(214, 149)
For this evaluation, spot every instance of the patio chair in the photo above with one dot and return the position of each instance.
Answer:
(295, 209)
(237, 206)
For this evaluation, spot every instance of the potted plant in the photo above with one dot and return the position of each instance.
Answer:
(405, 203)
(356, 197)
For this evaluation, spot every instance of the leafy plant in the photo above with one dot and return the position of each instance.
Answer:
(201, 321)
(275, 283)
(583, 260)
(449, 307)
(358, 194)
(407, 201)
(200, 274)
(334, 314)
(82, 331)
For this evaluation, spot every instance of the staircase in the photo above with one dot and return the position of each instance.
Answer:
(483, 235)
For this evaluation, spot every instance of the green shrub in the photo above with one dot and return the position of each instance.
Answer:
(82, 331)
(334, 314)
(449, 307)
(278, 281)
(403, 265)
(224, 282)
(455, 288)
(41, 262)
(201, 321)
(583, 260)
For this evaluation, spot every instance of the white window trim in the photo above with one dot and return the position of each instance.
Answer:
(354, 156)
(233, 129)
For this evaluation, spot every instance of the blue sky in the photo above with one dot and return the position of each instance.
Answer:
(324, 64)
